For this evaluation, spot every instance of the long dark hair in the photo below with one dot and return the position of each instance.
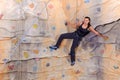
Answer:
(89, 24)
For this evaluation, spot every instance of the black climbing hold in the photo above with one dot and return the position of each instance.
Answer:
(48, 64)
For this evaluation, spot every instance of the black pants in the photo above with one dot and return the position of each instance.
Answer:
(76, 41)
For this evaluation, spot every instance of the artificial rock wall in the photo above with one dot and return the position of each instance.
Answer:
(29, 27)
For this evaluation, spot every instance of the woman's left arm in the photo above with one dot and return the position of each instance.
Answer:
(97, 33)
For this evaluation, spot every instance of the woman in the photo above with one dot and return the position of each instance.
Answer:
(82, 29)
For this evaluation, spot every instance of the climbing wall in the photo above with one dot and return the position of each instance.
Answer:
(29, 27)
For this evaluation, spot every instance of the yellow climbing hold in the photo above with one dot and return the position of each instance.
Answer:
(18, 1)
(91, 54)
(35, 26)
(26, 55)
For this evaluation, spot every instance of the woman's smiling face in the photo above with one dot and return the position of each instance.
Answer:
(86, 20)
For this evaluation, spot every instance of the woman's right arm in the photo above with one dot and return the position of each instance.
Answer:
(74, 25)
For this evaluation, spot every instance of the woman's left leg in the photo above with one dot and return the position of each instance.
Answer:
(75, 44)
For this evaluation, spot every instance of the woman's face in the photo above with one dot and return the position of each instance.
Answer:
(86, 20)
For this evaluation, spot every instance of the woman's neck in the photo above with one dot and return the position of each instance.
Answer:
(85, 25)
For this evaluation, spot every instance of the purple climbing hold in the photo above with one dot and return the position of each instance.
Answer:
(86, 1)
(68, 6)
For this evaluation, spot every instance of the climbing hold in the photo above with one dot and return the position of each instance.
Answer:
(31, 5)
(1, 15)
(86, 1)
(26, 55)
(5, 60)
(35, 26)
(34, 68)
(53, 28)
(50, 6)
(116, 67)
(11, 66)
(36, 51)
(18, 1)
(48, 64)
(68, 6)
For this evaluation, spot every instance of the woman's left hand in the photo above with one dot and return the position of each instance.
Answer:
(105, 37)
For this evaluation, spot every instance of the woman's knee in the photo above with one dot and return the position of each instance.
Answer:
(62, 35)
(72, 51)
(72, 54)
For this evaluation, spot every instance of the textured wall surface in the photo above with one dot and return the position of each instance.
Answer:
(29, 27)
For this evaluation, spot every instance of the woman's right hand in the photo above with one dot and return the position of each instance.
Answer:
(67, 23)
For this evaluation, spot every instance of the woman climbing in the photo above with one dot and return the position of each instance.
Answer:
(82, 29)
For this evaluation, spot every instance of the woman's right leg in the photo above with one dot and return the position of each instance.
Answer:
(64, 36)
